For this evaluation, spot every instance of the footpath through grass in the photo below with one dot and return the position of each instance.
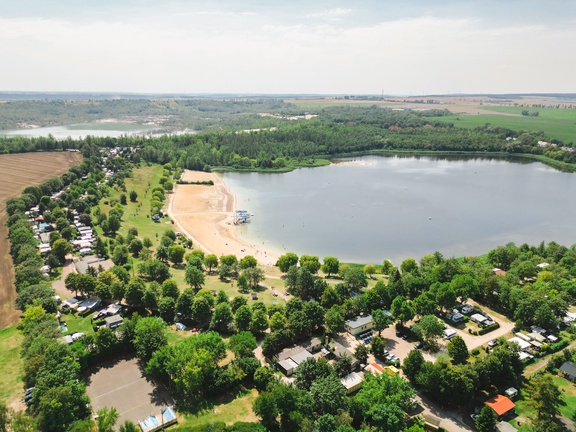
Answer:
(10, 365)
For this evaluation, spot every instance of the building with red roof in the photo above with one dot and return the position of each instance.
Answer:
(501, 405)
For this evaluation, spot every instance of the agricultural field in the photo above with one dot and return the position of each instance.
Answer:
(557, 123)
(18, 171)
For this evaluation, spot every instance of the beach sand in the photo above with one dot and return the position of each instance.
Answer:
(205, 215)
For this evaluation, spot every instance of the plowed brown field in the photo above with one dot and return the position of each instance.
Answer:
(18, 171)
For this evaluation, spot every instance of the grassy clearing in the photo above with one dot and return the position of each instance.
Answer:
(556, 123)
(10, 364)
(223, 409)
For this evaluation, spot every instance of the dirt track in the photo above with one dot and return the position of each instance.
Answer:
(18, 171)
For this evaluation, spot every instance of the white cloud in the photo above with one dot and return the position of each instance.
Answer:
(335, 14)
(418, 56)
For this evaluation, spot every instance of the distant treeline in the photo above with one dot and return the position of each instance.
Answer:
(336, 131)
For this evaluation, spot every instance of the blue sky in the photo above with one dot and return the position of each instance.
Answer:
(401, 47)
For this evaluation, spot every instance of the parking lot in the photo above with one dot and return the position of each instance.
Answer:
(121, 384)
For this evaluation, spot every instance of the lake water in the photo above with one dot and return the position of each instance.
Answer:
(81, 130)
(367, 209)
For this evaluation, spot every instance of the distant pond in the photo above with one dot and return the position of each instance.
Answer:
(370, 208)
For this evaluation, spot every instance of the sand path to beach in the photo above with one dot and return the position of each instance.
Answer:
(205, 214)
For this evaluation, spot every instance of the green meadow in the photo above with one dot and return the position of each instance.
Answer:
(557, 123)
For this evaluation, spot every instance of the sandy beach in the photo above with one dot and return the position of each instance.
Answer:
(205, 214)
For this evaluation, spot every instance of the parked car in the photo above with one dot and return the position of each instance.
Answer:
(493, 343)
(101, 313)
(398, 333)
(419, 345)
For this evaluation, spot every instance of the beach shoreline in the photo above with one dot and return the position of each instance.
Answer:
(205, 215)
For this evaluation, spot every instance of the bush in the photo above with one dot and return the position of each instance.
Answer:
(561, 344)
(488, 329)
(475, 352)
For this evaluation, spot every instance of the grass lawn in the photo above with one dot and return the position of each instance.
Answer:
(222, 409)
(10, 365)
(77, 323)
(525, 413)
(556, 123)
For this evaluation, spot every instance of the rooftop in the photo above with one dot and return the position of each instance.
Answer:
(500, 404)
(569, 368)
(359, 321)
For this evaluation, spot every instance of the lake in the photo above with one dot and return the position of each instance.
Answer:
(81, 130)
(370, 208)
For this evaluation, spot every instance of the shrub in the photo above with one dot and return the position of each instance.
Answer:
(475, 352)
(488, 329)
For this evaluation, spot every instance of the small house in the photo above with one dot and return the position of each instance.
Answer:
(501, 405)
(568, 370)
(359, 324)
(113, 321)
(352, 382)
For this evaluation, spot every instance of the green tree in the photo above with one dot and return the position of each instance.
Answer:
(167, 308)
(429, 329)
(106, 418)
(361, 353)
(311, 263)
(242, 344)
(61, 248)
(149, 336)
(380, 321)
(446, 297)
(331, 265)
(194, 277)
(310, 370)
(237, 302)
(412, 364)
(369, 270)
(243, 318)
(486, 420)
(277, 321)
(355, 279)
(334, 320)
(458, 350)
(329, 395)
(222, 317)
(128, 426)
(133, 196)
(135, 292)
(255, 275)
(247, 262)
(120, 255)
(545, 397)
(343, 365)
(286, 261)
(402, 310)
(378, 346)
(259, 322)
(210, 261)
(170, 289)
(176, 254)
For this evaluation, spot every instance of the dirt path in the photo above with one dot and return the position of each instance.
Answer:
(18, 171)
